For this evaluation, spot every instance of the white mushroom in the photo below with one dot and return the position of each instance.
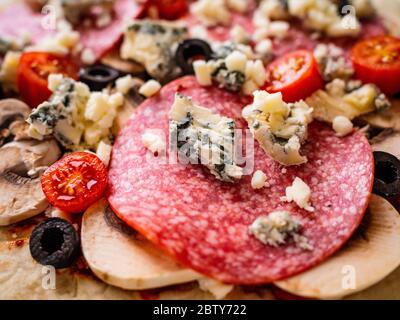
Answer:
(21, 165)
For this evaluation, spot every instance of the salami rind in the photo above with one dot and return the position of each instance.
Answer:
(203, 222)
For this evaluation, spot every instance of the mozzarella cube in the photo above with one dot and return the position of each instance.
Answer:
(150, 88)
(124, 84)
(202, 73)
(248, 88)
(259, 180)
(300, 193)
(236, 61)
(104, 152)
(264, 47)
(237, 5)
(54, 80)
(278, 29)
(153, 142)
(342, 126)
(88, 57)
(239, 35)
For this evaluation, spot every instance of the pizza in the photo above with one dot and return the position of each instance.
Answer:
(225, 149)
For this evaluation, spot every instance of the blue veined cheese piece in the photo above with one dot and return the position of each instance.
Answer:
(279, 127)
(77, 118)
(153, 44)
(199, 136)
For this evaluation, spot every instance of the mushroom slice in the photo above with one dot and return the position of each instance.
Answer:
(371, 255)
(389, 119)
(121, 257)
(12, 111)
(113, 60)
(387, 141)
(21, 194)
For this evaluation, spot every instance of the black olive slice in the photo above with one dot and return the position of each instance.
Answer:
(190, 49)
(55, 242)
(98, 77)
(387, 174)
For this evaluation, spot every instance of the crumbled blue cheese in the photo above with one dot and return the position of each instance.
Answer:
(77, 118)
(8, 71)
(259, 180)
(233, 68)
(300, 193)
(153, 44)
(276, 228)
(332, 62)
(154, 142)
(211, 12)
(63, 42)
(199, 136)
(342, 126)
(280, 128)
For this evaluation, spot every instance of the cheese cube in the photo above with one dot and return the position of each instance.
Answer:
(202, 73)
(239, 35)
(88, 57)
(150, 88)
(248, 88)
(104, 152)
(342, 126)
(236, 61)
(278, 29)
(258, 180)
(264, 47)
(300, 193)
(54, 80)
(8, 72)
(124, 84)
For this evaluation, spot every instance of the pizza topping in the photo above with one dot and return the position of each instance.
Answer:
(280, 128)
(347, 98)
(300, 193)
(77, 118)
(8, 71)
(218, 289)
(202, 72)
(154, 142)
(332, 62)
(276, 228)
(199, 136)
(342, 126)
(377, 60)
(190, 50)
(150, 88)
(387, 174)
(259, 180)
(211, 12)
(98, 77)
(75, 182)
(103, 151)
(153, 44)
(55, 242)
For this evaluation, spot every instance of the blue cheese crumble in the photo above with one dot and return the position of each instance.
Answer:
(202, 137)
(280, 128)
(276, 228)
(77, 118)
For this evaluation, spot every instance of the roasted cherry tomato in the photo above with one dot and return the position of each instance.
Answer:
(377, 60)
(295, 75)
(33, 71)
(170, 9)
(75, 182)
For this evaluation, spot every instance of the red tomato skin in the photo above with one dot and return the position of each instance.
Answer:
(33, 87)
(304, 84)
(367, 69)
(94, 183)
(170, 9)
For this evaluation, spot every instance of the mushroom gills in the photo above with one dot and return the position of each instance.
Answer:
(373, 253)
(124, 258)
(20, 170)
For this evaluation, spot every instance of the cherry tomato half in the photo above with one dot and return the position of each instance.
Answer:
(75, 182)
(295, 75)
(377, 60)
(33, 71)
(170, 9)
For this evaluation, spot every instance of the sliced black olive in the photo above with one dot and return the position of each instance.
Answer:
(98, 77)
(190, 49)
(387, 174)
(55, 242)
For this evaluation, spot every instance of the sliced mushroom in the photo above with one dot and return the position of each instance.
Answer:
(388, 119)
(371, 255)
(13, 113)
(113, 60)
(121, 257)
(21, 165)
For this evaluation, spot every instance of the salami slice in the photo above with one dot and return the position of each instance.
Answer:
(101, 40)
(19, 20)
(203, 222)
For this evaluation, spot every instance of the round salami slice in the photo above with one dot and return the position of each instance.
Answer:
(101, 40)
(204, 223)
